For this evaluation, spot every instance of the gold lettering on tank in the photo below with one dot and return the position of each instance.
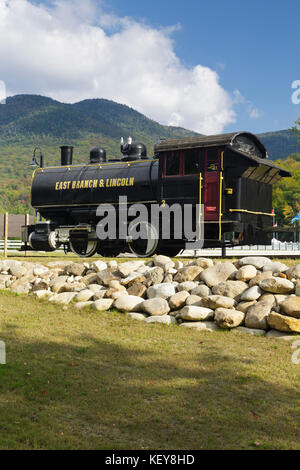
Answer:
(94, 184)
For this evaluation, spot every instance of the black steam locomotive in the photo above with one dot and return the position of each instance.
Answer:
(228, 175)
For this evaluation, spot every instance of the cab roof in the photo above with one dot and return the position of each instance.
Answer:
(242, 142)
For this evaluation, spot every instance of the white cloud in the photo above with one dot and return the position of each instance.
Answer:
(75, 50)
(254, 113)
(239, 99)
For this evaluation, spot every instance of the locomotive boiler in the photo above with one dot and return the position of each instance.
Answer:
(228, 175)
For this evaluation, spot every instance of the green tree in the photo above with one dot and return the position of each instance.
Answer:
(286, 193)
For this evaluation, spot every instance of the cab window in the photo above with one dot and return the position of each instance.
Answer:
(191, 162)
(212, 160)
(172, 164)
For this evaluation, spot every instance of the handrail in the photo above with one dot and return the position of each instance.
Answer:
(251, 212)
(220, 202)
(200, 202)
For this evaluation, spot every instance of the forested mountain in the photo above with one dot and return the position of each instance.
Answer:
(280, 144)
(28, 121)
(32, 115)
(33, 118)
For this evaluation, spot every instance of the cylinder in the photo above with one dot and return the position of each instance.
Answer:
(66, 155)
(42, 241)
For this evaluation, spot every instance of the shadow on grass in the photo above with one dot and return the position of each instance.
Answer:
(82, 391)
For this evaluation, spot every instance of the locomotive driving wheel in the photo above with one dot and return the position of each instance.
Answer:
(150, 243)
(144, 246)
(83, 248)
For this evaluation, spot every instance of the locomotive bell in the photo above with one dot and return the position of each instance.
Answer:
(98, 155)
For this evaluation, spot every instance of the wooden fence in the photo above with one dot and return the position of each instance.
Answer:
(10, 227)
(15, 223)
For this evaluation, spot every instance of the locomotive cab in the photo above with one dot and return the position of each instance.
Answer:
(231, 176)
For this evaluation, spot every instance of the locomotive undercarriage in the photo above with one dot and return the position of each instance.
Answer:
(82, 240)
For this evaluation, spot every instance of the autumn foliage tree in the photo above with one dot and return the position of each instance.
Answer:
(286, 193)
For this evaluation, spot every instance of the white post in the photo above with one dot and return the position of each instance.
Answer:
(5, 233)
(2, 353)
(26, 223)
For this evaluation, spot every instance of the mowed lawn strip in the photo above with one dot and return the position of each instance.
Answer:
(44, 258)
(91, 380)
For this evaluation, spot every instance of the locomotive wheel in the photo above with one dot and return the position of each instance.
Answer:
(143, 248)
(84, 248)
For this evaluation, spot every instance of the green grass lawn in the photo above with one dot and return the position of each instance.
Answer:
(90, 380)
(40, 257)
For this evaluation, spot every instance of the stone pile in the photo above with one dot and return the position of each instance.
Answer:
(252, 295)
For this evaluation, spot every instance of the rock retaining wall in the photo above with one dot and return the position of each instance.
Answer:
(252, 295)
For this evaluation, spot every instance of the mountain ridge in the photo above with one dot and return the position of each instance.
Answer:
(35, 116)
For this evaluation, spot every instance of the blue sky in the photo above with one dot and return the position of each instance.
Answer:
(212, 66)
(254, 46)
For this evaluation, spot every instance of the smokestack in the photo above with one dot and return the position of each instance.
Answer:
(66, 155)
